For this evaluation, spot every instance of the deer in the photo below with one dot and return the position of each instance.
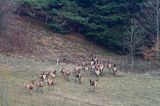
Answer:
(78, 75)
(109, 66)
(51, 82)
(39, 85)
(30, 87)
(83, 64)
(94, 59)
(52, 74)
(43, 76)
(93, 84)
(78, 68)
(62, 72)
(86, 70)
(114, 69)
(100, 68)
(65, 74)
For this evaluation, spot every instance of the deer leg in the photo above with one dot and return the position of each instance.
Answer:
(98, 78)
(80, 80)
(67, 78)
(38, 89)
(63, 76)
(87, 73)
(101, 73)
(114, 73)
(53, 87)
(94, 88)
(75, 79)
(41, 90)
(30, 91)
(49, 87)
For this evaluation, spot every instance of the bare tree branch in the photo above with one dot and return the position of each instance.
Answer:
(134, 39)
(149, 18)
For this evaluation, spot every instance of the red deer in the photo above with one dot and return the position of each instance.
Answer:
(83, 64)
(92, 63)
(43, 76)
(65, 74)
(62, 72)
(99, 67)
(39, 85)
(52, 74)
(93, 67)
(78, 75)
(30, 87)
(93, 84)
(114, 69)
(97, 72)
(86, 70)
(96, 60)
(40, 76)
(51, 82)
(78, 68)
(109, 66)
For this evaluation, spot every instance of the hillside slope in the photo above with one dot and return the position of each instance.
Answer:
(45, 44)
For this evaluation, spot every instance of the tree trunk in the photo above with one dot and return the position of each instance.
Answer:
(132, 61)
(157, 30)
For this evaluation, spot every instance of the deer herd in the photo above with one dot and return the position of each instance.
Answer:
(94, 66)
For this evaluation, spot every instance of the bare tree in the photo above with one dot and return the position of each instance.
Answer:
(14, 36)
(149, 18)
(3, 13)
(134, 40)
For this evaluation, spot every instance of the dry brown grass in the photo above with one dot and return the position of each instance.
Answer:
(123, 90)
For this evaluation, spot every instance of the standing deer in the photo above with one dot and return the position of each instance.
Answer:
(100, 68)
(39, 85)
(109, 66)
(30, 87)
(78, 75)
(51, 82)
(114, 69)
(93, 84)
(65, 74)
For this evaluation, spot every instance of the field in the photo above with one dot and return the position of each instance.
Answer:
(42, 47)
(123, 90)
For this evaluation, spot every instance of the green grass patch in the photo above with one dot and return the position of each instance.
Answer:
(123, 90)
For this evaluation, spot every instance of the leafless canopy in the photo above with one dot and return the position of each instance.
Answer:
(135, 37)
(149, 19)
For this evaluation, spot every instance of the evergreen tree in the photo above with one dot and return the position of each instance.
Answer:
(101, 21)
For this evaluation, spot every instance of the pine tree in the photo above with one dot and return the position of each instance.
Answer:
(101, 21)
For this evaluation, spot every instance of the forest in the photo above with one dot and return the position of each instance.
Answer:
(104, 22)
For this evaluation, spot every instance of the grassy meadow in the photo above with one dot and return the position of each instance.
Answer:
(123, 90)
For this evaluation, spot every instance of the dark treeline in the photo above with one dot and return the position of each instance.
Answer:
(103, 22)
